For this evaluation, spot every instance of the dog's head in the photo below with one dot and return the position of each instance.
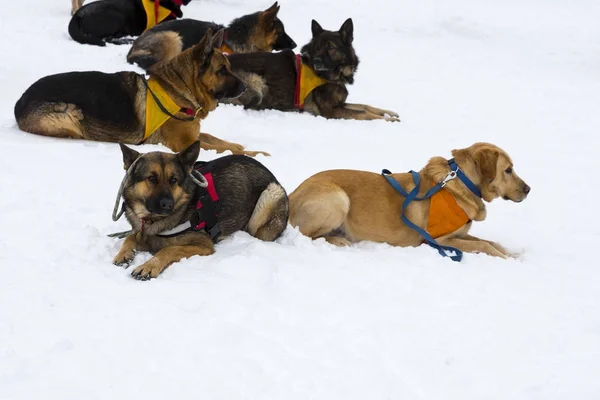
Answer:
(497, 174)
(155, 185)
(262, 31)
(331, 54)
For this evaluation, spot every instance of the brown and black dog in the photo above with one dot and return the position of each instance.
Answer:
(260, 31)
(125, 107)
(314, 80)
(174, 218)
(345, 206)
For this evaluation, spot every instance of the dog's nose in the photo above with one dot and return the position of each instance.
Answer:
(166, 204)
(526, 188)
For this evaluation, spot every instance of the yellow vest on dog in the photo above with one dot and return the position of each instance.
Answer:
(152, 17)
(155, 117)
(306, 81)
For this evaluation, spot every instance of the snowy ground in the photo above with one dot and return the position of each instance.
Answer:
(303, 320)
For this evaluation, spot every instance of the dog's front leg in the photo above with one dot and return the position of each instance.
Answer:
(374, 110)
(497, 246)
(472, 246)
(209, 142)
(127, 252)
(357, 112)
(169, 255)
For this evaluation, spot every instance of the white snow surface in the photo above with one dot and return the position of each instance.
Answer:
(301, 319)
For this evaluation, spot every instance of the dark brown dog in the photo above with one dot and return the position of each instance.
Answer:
(314, 81)
(125, 107)
(161, 204)
(260, 31)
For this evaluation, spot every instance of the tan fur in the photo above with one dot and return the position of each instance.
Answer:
(163, 45)
(270, 200)
(76, 5)
(346, 206)
(55, 119)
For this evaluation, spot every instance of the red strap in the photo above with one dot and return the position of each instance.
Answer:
(212, 193)
(298, 75)
(156, 8)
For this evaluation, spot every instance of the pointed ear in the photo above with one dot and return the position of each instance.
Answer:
(129, 156)
(316, 28)
(189, 156)
(347, 31)
(204, 47)
(270, 13)
(486, 161)
(217, 40)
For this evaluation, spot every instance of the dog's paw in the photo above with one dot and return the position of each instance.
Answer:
(391, 113)
(146, 271)
(124, 260)
(392, 119)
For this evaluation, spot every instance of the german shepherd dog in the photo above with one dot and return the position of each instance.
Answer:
(314, 81)
(261, 31)
(160, 195)
(121, 107)
(110, 20)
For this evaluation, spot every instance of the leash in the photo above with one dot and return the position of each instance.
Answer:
(188, 111)
(455, 172)
(194, 175)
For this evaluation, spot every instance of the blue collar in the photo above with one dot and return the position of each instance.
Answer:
(463, 178)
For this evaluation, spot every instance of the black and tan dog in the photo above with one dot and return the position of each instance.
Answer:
(314, 81)
(261, 31)
(110, 20)
(125, 107)
(174, 218)
(345, 206)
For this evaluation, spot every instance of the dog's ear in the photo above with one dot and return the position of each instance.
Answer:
(316, 28)
(204, 47)
(486, 161)
(347, 31)
(129, 156)
(270, 13)
(189, 156)
(217, 40)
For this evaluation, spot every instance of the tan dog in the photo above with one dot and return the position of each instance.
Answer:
(345, 206)
(76, 5)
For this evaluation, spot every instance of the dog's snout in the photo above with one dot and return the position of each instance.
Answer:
(293, 44)
(526, 188)
(166, 204)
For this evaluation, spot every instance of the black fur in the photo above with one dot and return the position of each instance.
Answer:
(108, 20)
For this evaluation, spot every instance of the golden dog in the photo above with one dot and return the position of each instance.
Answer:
(345, 206)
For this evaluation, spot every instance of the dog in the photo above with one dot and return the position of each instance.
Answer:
(346, 206)
(125, 107)
(314, 81)
(174, 218)
(76, 5)
(110, 21)
(261, 31)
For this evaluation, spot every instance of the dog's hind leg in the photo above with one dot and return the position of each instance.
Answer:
(270, 215)
(53, 119)
(320, 212)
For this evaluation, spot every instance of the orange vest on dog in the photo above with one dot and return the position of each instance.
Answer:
(154, 16)
(445, 215)
(306, 81)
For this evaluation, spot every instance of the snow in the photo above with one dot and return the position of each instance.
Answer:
(298, 319)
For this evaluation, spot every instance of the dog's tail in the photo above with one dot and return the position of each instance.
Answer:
(153, 47)
(78, 35)
(270, 216)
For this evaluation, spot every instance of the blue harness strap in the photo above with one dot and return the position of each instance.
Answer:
(411, 196)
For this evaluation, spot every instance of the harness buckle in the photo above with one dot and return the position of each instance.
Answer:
(451, 175)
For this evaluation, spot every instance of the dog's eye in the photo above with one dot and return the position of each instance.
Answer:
(173, 180)
(508, 170)
(152, 179)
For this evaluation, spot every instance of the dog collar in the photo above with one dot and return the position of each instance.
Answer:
(462, 177)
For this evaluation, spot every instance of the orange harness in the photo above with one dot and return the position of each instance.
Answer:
(445, 215)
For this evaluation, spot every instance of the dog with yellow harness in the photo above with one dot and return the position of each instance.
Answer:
(110, 21)
(129, 108)
(314, 80)
(436, 205)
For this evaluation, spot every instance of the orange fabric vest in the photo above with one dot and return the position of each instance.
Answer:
(306, 81)
(445, 215)
(153, 16)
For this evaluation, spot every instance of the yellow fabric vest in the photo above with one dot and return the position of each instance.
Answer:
(306, 81)
(152, 17)
(155, 117)
(445, 215)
